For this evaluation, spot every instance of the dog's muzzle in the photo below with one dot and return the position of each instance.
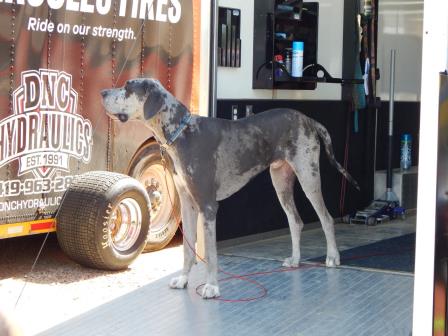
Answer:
(121, 116)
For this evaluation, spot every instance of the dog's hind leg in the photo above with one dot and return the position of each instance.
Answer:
(283, 178)
(306, 167)
(207, 216)
(189, 225)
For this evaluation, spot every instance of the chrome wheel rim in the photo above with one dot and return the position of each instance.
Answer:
(125, 224)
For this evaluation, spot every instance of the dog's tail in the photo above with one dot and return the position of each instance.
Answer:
(325, 136)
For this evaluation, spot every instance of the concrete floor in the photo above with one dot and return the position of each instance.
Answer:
(311, 301)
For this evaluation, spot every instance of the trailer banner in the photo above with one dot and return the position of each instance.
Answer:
(45, 130)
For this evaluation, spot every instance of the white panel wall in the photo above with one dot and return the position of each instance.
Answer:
(400, 27)
(236, 83)
(435, 52)
(205, 58)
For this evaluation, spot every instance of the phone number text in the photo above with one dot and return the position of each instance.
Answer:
(34, 186)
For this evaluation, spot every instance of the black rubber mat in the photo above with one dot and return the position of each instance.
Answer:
(395, 254)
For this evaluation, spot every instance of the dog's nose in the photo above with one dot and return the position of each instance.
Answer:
(104, 93)
(123, 117)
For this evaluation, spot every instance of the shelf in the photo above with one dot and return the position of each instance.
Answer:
(305, 79)
(309, 79)
(274, 17)
(282, 40)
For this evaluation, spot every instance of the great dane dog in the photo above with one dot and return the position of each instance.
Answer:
(214, 158)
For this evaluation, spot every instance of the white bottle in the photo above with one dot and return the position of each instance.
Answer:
(297, 59)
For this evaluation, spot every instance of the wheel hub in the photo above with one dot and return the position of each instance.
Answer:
(154, 180)
(155, 194)
(125, 224)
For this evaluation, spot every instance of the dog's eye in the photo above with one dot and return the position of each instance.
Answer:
(127, 90)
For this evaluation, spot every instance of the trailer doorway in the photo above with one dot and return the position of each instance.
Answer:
(359, 138)
(251, 224)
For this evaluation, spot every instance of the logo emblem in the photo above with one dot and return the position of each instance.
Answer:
(45, 130)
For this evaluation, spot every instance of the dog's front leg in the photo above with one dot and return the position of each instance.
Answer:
(189, 224)
(208, 217)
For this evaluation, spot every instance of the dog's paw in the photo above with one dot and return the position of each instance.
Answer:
(179, 282)
(333, 260)
(291, 262)
(210, 291)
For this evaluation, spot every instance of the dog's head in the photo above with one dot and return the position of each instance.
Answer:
(138, 99)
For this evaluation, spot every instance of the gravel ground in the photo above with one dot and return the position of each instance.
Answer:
(59, 289)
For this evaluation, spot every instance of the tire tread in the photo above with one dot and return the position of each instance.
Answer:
(78, 216)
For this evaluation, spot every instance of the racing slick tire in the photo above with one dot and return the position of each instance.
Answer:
(103, 220)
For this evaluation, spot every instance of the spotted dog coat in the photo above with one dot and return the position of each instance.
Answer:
(214, 158)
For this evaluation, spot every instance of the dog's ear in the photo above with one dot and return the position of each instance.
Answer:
(155, 99)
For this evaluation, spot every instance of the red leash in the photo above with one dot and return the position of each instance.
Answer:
(245, 277)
